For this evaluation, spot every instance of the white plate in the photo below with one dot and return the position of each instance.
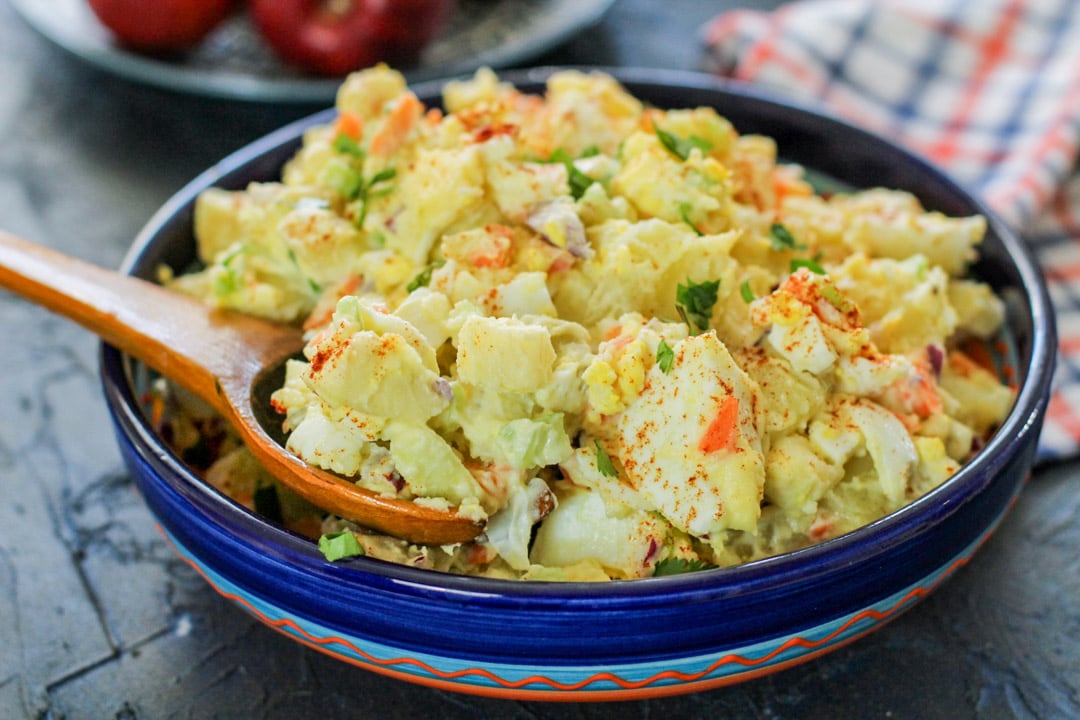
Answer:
(233, 62)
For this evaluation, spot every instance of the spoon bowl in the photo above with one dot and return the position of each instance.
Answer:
(227, 359)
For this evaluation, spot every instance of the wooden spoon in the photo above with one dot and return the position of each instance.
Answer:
(222, 357)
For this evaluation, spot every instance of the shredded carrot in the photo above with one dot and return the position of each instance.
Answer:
(648, 117)
(786, 184)
(157, 411)
(723, 431)
(821, 528)
(617, 343)
(964, 365)
(927, 401)
(398, 124)
(433, 116)
(491, 257)
(925, 398)
(562, 262)
(480, 554)
(493, 253)
(349, 124)
(978, 351)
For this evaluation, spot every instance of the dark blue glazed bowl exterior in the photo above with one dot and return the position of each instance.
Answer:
(576, 641)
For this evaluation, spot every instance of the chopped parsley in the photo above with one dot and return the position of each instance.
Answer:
(695, 301)
(665, 357)
(344, 180)
(810, 264)
(232, 254)
(782, 239)
(348, 146)
(335, 546)
(579, 182)
(684, 214)
(227, 282)
(423, 278)
(681, 147)
(367, 191)
(603, 461)
(346, 176)
(680, 566)
(230, 279)
(382, 176)
(746, 292)
(313, 285)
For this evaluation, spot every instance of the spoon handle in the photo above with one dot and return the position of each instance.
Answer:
(217, 355)
(177, 335)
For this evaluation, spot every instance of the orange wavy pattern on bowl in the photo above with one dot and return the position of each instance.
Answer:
(628, 689)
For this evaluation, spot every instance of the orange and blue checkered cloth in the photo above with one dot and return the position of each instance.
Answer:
(989, 90)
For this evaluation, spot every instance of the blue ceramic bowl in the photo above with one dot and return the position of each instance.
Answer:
(571, 641)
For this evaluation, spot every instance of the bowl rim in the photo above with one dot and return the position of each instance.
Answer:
(773, 572)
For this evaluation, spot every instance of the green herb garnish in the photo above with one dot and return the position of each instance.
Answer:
(684, 214)
(348, 146)
(314, 286)
(680, 566)
(230, 279)
(382, 176)
(233, 254)
(681, 147)
(603, 461)
(809, 263)
(335, 546)
(422, 279)
(344, 180)
(695, 301)
(665, 357)
(746, 292)
(346, 177)
(579, 182)
(366, 192)
(782, 239)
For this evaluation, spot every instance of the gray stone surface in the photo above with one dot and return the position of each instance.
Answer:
(99, 619)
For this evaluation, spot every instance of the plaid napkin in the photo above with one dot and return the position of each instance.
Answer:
(987, 89)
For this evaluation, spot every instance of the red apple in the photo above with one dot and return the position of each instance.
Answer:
(334, 37)
(161, 25)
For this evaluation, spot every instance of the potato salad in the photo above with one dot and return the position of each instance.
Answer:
(630, 341)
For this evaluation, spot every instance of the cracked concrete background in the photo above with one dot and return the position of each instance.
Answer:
(100, 619)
